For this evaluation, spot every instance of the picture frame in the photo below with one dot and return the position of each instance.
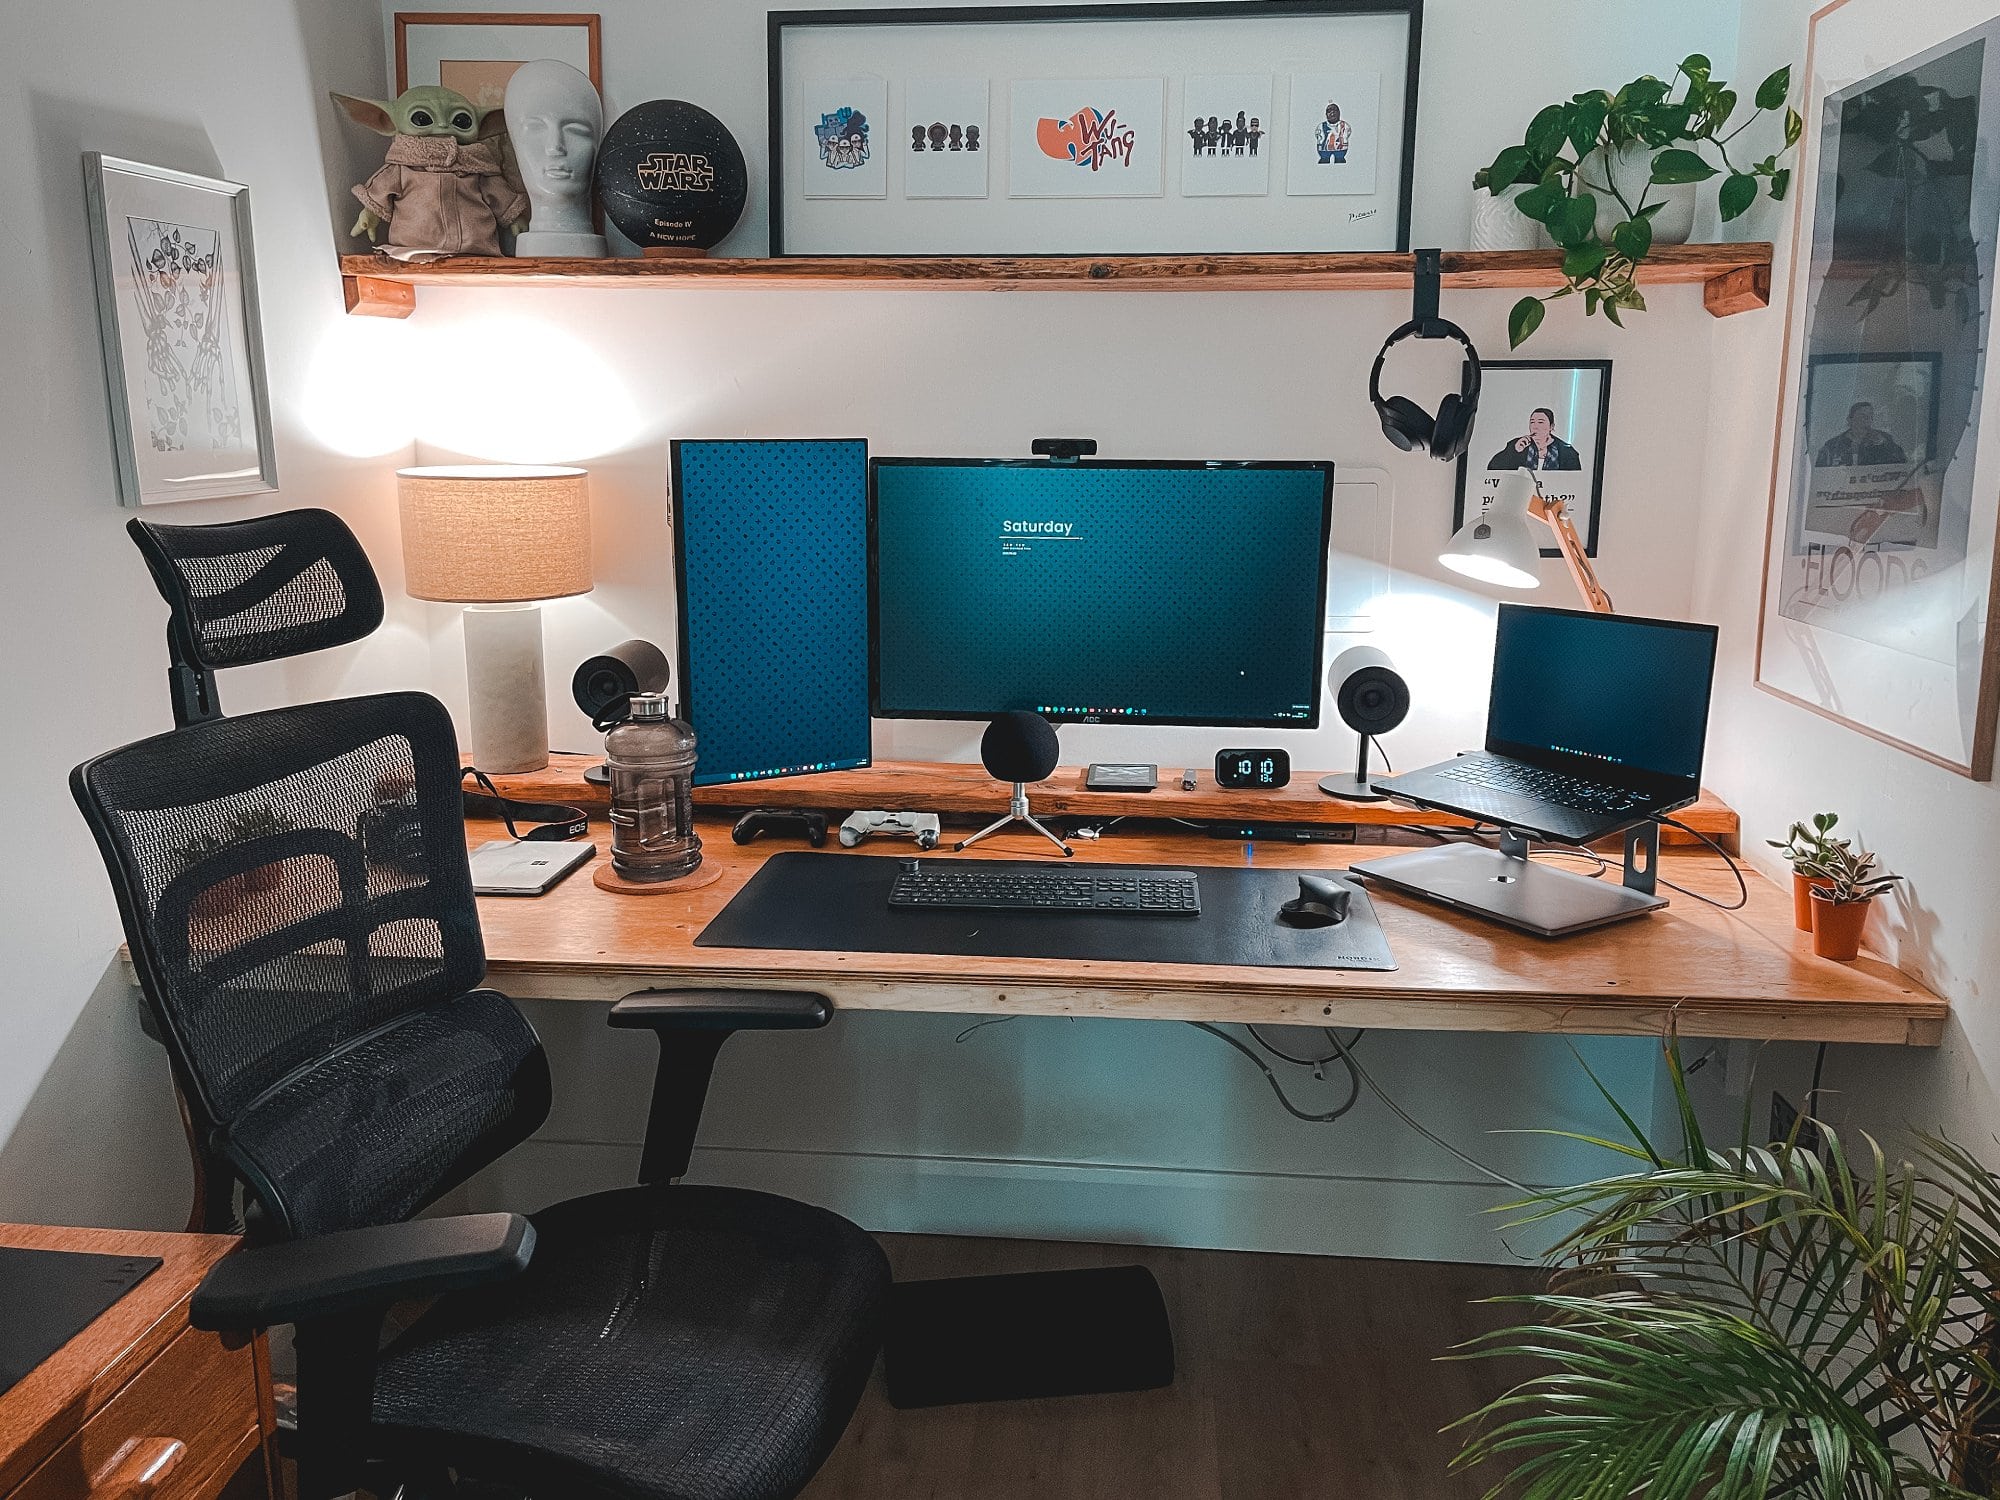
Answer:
(1085, 148)
(1575, 397)
(476, 52)
(175, 272)
(1882, 539)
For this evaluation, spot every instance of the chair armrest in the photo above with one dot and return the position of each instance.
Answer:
(722, 1010)
(360, 1269)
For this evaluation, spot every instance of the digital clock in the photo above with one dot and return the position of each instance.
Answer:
(1252, 770)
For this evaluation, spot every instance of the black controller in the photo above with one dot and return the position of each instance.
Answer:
(762, 820)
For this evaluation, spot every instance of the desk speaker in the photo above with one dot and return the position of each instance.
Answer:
(1371, 698)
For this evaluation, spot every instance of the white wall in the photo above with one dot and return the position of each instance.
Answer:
(1101, 1128)
(230, 88)
(1777, 763)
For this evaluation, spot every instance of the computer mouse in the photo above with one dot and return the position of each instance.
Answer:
(1321, 902)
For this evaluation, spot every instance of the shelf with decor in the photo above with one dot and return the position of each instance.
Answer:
(1733, 278)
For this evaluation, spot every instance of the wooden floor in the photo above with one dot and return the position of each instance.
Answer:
(1298, 1378)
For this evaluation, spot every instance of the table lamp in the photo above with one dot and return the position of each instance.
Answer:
(499, 538)
(1498, 546)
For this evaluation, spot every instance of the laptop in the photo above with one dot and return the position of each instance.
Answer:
(1596, 722)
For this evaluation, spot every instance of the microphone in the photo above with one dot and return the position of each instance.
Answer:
(1019, 748)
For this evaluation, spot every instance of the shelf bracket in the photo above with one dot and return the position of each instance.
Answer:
(1745, 289)
(378, 297)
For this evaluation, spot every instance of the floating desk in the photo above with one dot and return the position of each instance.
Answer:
(1745, 974)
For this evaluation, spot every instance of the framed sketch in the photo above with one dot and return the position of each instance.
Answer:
(1158, 127)
(1880, 551)
(1549, 416)
(183, 345)
(476, 53)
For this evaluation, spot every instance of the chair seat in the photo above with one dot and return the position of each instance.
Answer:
(680, 1343)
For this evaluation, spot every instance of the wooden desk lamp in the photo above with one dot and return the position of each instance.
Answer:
(1499, 546)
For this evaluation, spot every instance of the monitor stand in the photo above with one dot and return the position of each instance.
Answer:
(1506, 886)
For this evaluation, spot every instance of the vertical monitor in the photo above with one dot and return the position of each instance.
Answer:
(771, 567)
(1099, 591)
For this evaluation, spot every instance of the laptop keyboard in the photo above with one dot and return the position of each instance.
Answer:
(1549, 786)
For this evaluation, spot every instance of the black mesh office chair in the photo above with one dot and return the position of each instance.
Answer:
(295, 892)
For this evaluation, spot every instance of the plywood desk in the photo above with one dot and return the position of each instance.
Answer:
(1714, 974)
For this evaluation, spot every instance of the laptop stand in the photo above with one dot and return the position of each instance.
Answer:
(1505, 885)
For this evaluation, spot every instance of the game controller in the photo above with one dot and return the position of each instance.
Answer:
(923, 827)
(782, 820)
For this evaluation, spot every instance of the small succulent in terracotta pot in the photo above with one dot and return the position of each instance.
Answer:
(1804, 844)
(1844, 882)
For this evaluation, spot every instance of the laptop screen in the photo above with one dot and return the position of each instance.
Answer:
(1608, 689)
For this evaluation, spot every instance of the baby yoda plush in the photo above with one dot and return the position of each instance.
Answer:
(443, 189)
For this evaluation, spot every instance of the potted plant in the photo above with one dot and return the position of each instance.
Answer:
(1800, 848)
(1757, 1321)
(1843, 883)
(1496, 224)
(256, 823)
(1616, 174)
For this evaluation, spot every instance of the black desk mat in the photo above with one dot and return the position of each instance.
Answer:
(839, 903)
(48, 1297)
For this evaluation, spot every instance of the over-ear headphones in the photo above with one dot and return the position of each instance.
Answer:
(1406, 424)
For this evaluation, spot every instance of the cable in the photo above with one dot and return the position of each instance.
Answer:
(1432, 1136)
(1305, 1062)
(1742, 886)
(1387, 764)
(1270, 1077)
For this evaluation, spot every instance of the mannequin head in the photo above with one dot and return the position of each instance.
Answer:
(556, 121)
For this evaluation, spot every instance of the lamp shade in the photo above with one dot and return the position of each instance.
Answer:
(1500, 546)
(495, 533)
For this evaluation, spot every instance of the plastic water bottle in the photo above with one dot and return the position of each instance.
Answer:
(651, 759)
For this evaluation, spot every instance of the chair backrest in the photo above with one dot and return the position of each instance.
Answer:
(296, 897)
(255, 590)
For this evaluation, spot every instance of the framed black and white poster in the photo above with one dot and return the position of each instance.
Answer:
(1207, 127)
(1880, 559)
(183, 344)
(1548, 417)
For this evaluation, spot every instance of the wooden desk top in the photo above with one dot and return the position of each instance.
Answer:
(66, 1390)
(1716, 974)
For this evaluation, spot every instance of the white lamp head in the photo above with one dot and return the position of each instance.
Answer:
(1500, 546)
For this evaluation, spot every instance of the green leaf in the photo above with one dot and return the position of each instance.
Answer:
(1574, 221)
(1547, 131)
(1524, 320)
(1776, 89)
(1634, 238)
(1540, 202)
(1739, 191)
(1677, 166)
(1586, 122)
(1795, 127)
(1697, 67)
(1509, 167)
(1611, 312)
(1585, 261)
(1781, 183)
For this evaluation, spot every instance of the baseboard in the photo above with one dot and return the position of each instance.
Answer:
(1269, 1212)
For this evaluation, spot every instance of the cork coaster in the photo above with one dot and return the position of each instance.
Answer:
(607, 878)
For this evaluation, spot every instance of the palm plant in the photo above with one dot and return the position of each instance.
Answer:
(1759, 1321)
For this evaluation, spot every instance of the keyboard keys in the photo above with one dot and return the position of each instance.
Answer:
(1166, 893)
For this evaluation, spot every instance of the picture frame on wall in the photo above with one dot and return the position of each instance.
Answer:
(1549, 416)
(477, 52)
(1190, 127)
(1883, 536)
(176, 279)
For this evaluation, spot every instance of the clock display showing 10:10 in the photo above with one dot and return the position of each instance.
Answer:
(1254, 770)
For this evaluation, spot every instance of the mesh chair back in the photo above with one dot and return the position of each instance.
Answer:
(257, 590)
(295, 893)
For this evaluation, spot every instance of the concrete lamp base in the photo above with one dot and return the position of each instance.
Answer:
(503, 679)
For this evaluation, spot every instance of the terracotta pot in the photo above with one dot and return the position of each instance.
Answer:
(1802, 909)
(265, 877)
(1837, 926)
(220, 899)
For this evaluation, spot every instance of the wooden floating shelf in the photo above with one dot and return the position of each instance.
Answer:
(1734, 278)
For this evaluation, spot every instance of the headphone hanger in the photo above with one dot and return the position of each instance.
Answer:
(1406, 424)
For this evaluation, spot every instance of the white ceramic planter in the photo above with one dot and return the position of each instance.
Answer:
(1498, 225)
(1630, 167)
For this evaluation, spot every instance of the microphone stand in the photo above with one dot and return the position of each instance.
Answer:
(1017, 812)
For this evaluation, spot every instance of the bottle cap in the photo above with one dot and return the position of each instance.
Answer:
(650, 708)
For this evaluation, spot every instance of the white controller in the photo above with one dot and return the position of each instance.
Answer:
(923, 827)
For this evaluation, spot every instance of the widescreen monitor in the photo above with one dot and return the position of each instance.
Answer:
(1099, 591)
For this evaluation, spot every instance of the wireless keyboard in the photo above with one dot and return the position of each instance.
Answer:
(1140, 893)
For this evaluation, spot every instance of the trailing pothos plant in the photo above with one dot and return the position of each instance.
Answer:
(1808, 1318)
(1569, 155)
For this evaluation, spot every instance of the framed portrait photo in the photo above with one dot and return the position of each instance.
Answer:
(1548, 416)
(476, 53)
(1880, 551)
(183, 344)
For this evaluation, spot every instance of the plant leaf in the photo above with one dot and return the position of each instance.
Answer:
(1508, 168)
(1547, 131)
(1739, 191)
(1675, 166)
(1585, 261)
(1574, 221)
(1633, 239)
(1540, 202)
(1795, 126)
(1781, 183)
(1776, 89)
(1524, 320)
